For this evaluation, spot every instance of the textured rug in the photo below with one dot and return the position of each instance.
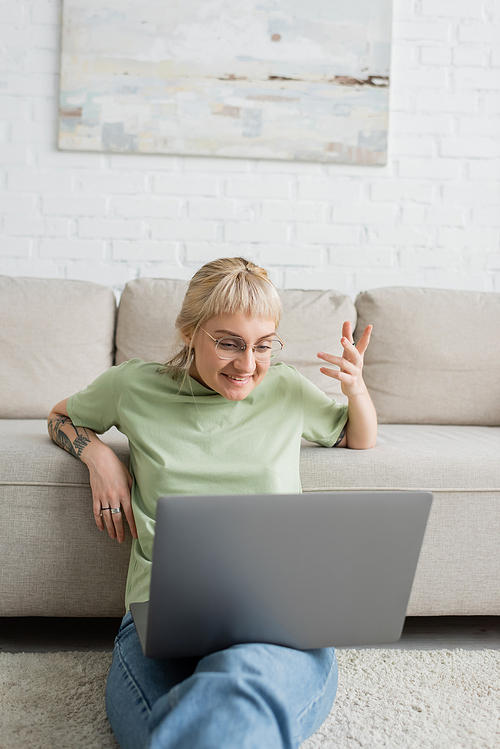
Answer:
(390, 699)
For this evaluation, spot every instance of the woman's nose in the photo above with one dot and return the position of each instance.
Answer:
(246, 360)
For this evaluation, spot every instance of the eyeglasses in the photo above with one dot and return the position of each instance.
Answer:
(231, 347)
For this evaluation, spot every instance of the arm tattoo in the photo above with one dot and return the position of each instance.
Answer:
(341, 437)
(81, 440)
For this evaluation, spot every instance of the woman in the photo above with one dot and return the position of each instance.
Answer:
(216, 419)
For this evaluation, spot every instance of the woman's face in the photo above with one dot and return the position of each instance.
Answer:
(236, 378)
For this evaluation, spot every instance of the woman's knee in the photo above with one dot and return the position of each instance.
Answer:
(298, 686)
(280, 664)
(265, 695)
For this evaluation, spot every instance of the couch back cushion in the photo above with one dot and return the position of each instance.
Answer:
(56, 336)
(434, 356)
(145, 327)
(312, 321)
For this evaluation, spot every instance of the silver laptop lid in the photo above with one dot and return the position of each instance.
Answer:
(305, 571)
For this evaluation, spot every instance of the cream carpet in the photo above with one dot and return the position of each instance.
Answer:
(390, 699)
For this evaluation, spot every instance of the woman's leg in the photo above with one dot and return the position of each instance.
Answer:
(249, 696)
(135, 683)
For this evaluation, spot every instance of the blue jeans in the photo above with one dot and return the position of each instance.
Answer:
(252, 696)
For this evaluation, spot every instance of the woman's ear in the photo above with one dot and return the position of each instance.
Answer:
(187, 336)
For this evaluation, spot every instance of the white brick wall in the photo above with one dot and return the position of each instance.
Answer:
(430, 217)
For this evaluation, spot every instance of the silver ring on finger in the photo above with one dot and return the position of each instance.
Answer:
(116, 510)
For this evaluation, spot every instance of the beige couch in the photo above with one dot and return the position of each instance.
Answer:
(433, 368)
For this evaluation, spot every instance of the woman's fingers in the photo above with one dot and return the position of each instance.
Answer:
(346, 371)
(130, 519)
(351, 363)
(347, 364)
(351, 353)
(108, 515)
(111, 484)
(98, 516)
(363, 342)
(347, 330)
(333, 373)
(112, 518)
(109, 521)
(117, 520)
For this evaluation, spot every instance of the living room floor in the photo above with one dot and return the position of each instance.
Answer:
(40, 634)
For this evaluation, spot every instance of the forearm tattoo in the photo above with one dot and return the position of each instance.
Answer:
(74, 447)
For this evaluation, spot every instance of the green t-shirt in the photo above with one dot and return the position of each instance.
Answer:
(194, 441)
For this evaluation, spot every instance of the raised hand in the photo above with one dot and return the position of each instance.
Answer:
(350, 364)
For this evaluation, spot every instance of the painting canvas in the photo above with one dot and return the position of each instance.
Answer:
(280, 79)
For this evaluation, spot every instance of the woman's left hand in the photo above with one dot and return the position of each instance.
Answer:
(350, 372)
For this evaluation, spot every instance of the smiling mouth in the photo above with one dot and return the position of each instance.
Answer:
(236, 378)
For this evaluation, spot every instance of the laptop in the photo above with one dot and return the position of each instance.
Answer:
(311, 570)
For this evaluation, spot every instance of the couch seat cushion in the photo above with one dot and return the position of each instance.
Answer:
(70, 569)
(407, 456)
(30, 457)
(410, 456)
(55, 562)
(458, 573)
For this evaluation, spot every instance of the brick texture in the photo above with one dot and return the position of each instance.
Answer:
(430, 217)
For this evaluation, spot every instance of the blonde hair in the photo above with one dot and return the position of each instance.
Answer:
(225, 286)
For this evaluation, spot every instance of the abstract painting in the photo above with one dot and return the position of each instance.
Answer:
(304, 80)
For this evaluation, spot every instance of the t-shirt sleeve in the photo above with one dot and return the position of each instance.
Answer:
(324, 418)
(95, 407)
